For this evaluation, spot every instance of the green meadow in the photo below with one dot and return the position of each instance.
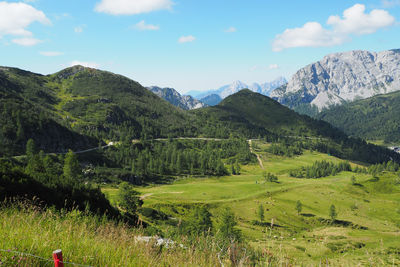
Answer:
(366, 230)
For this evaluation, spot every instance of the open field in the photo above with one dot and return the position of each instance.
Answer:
(366, 231)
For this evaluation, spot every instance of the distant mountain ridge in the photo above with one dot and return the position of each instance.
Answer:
(236, 86)
(211, 100)
(342, 77)
(185, 102)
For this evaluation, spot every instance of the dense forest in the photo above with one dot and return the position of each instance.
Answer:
(375, 118)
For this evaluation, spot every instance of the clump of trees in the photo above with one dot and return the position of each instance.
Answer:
(286, 148)
(269, 177)
(181, 157)
(321, 169)
(199, 222)
(389, 166)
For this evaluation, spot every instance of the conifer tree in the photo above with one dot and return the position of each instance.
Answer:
(299, 207)
(261, 212)
(332, 213)
(71, 169)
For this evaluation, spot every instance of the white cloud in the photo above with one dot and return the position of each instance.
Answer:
(142, 26)
(231, 29)
(78, 29)
(273, 66)
(51, 53)
(26, 41)
(186, 39)
(85, 64)
(312, 34)
(354, 22)
(132, 7)
(16, 17)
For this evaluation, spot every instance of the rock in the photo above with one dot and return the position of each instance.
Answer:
(342, 77)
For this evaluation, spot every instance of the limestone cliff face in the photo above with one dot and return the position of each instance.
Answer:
(342, 77)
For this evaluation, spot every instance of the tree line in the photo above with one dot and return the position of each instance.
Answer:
(321, 169)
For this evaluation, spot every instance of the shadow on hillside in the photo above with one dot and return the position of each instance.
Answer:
(160, 180)
(265, 224)
(307, 215)
(342, 223)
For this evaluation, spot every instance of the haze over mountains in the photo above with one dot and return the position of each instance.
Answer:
(340, 78)
(198, 99)
(236, 86)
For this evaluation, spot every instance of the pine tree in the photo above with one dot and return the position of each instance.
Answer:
(233, 171)
(261, 212)
(226, 226)
(30, 148)
(332, 213)
(34, 163)
(71, 169)
(299, 207)
(237, 167)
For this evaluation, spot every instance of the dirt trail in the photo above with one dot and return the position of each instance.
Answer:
(258, 156)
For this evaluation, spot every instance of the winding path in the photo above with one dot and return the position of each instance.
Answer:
(258, 156)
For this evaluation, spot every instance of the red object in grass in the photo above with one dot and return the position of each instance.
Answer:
(58, 259)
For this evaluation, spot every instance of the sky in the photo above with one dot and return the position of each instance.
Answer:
(191, 44)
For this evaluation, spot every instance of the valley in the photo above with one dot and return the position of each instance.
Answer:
(247, 180)
(365, 231)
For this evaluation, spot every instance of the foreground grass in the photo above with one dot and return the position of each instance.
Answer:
(87, 240)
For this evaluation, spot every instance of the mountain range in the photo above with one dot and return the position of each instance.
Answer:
(79, 108)
(236, 86)
(185, 102)
(341, 77)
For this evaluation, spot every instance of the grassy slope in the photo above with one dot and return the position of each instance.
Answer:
(375, 118)
(308, 237)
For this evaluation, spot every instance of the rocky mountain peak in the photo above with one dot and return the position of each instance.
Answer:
(343, 77)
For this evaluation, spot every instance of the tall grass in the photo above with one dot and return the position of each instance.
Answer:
(89, 240)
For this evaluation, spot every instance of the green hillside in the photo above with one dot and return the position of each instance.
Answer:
(79, 107)
(375, 118)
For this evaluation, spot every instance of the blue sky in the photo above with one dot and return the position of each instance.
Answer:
(191, 44)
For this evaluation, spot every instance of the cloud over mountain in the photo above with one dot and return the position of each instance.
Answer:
(355, 21)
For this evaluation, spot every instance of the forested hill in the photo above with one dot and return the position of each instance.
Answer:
(78, 107)
(375, 118)
(259, 113)
(254, 115)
